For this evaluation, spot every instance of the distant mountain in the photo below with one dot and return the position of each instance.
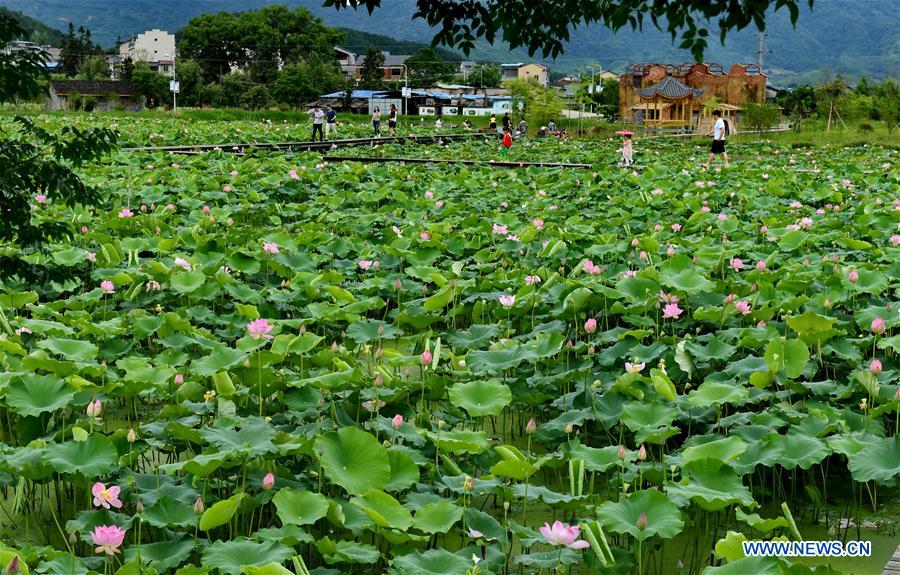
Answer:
(36, 31)
(358, 42)
(852, 37)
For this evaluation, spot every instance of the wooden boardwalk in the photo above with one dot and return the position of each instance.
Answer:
(488, 163)
(893, 566)
(238, 148)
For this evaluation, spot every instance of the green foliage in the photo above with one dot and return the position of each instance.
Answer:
(759, 116)
(94, 68)
(75, 48)
(540, 104)
(543, 26)
(426, 68)
(306, 81)
(152, 86)
(371, 75)
(484, 76)
(33, 30)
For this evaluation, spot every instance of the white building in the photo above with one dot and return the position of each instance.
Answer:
(155, 47)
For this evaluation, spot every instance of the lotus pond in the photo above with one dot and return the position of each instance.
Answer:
(270, 364)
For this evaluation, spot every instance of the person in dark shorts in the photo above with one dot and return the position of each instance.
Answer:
(507, 123)
(392, 120)
(718, 144)
(493, 124)
(318, 118)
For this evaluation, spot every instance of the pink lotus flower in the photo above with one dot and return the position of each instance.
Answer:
(104, 497)
(107, 286)
(539, 224)
(806, 223)
(853, 276)
(590, 326)
(152, 285)
(429, 194)
(426, 357)
(397, 421)
(763, 229)
(671, 311)
(668, 298)
(629, 273)
(564, 535)
(895, 240)
(729, 298)
(293, 175)
(270, 247)
(642, 453)
(643, 255)
(268, 482)
(90, 256)
(737, 264)
(234, 173)
(676, 227)
(722, 217)
(397, 231)
(41, 199)
(512, 237)
(743, 306)
(226, 188)
(94, 408)
(125, 213)
(507, 300)
(670, 251)
(877, 326)
(366, 264)
(424, 236)
(439, 203)
(875, 367)
(23, 329)
(705, 209)
(590, 267)
(500, 229)
(259, 329)
(179, 379)
(761, 324)
(108, 539)
(183, 264)
(531, 426)
(634, 367)
(170, 207)
(475, 534)
(84, 229)
(532, 280)
(761, 266)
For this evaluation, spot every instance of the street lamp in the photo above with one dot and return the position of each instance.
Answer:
(173, 84)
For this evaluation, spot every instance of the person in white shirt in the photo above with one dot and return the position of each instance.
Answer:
(318, 118)
(718, 143)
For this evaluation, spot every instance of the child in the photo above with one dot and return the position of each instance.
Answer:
(627, 150)
(506, 144)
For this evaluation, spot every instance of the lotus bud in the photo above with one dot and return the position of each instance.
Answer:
(641, 522)
(622, 454)
(268, 481)
(634, 242)
(864, 403)
(139, 506)
(729, 298)
(179, 379)
(73, 538)
(334, 346)
(877, 326)
(591, 350)
(570, 428)
(198, 506)
(853, 277)
(378, 353)
(84, 229)
(642, 453)
(381, 329)
(897, 394)
(397, 421)
(398, 283)
(531, 426)
(303, 329)
(132, 436)
(469, 484)
(875, 367)
(378, 380)
(761, 266)
(13, 566)
(590, 326)
(94, 408)
(569, 344)
(426, 357)
(763, 229)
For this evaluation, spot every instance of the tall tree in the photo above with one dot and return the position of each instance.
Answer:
(484, 76)
(371, 74)
(94, 68)
(426, 67)
(75, 48)
(543, 25)
(35, 162)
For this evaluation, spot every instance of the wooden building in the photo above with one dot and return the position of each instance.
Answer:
(662, 95)
(92, 95)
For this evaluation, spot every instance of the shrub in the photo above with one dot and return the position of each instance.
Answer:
(759, 117)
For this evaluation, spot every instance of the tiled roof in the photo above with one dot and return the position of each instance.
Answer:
(93, 88)
(670, 88)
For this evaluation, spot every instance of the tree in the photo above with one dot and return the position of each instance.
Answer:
(539, 104)
(256, 97)
(759, 116)
(887, 104)
(605, 100)
(426, 68)
(126, 69)
(152, 86)
(371, 74)
(484, 76)
(94, 68)
(36, 162)
(190, 79)
(543, 25)
(74, 49)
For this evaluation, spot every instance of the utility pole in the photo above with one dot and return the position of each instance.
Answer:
(762, 50)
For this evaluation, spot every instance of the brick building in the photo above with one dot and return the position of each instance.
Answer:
(664, 95)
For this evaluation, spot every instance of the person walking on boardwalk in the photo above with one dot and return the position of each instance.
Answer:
(330, 123)
(718, 132)
(507, 123)
(392, 120)
(493, 124)
(318, 117)
(507, 142)
(376, 121)
(627, 150)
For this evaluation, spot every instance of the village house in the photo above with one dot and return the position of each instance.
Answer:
(520, 71)
(155, 47)
(92, 95)
(51, 55)
(393, 69)
(662, 95)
